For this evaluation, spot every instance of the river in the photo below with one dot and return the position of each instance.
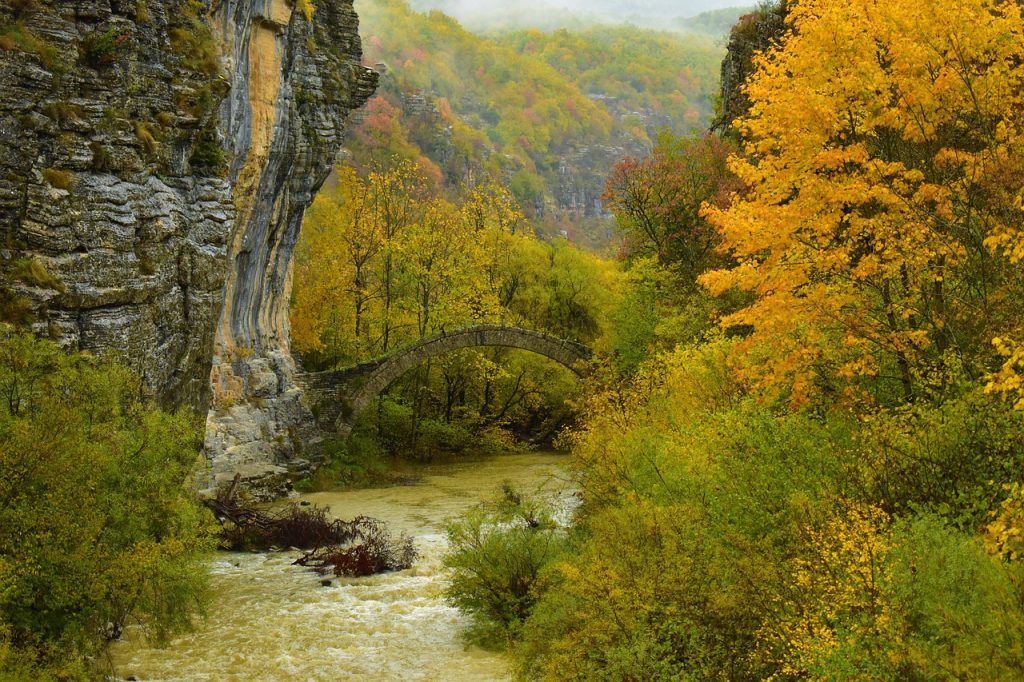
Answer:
(271, 621)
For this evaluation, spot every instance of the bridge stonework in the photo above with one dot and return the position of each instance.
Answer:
(337, 398)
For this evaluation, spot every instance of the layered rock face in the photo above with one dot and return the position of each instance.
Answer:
(113, 238)
(755, 32)
(294, 83)
(158, 157)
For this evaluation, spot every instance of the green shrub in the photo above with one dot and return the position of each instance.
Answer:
(436, 436)
(14, 308)
(354, 464)
(99, 521)
(100, 48)
(725, 539)
(692, 517)
(949, 457)
(394, 424)
(916, 600)
(208, 156)
(499, 555)
(963, 610)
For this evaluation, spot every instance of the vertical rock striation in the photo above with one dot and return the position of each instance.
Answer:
(294, 81)
(157, 159)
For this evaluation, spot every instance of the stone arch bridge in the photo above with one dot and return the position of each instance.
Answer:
(338, 397)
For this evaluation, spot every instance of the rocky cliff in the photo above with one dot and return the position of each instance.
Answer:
(755, 32)
(158, 157)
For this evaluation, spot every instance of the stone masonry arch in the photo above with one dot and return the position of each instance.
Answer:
(339, 397)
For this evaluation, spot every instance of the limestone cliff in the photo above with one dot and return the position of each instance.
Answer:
(294, 83)
(755, 32)
(157, 158)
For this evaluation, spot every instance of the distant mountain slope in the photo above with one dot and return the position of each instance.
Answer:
(717, 22)
(628, 69)
(481, 15)
(549, 113)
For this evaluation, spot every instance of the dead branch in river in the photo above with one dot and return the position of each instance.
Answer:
(363, 546)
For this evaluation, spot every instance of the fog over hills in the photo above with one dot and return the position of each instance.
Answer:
(481, 14)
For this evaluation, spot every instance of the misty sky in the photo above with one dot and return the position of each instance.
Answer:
(479, 11)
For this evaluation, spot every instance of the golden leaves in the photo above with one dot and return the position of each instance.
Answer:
(880, 141)
(840, 581)
(1004, 536)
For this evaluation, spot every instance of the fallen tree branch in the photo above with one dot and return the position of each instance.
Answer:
(360, 547)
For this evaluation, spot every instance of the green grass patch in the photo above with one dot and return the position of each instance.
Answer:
(60, 179)
(15, 37)
(196, 47)
(31, 271)
(63, 112)
(147, 136)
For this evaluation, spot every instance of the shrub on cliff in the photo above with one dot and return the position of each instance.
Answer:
(99, 525)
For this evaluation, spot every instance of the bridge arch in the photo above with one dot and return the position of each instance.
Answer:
(341, 396)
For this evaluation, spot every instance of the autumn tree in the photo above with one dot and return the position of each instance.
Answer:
(881, 157)
(335, 272)
(394, 198)
(657, 201)
(441, 258)
(498, 226)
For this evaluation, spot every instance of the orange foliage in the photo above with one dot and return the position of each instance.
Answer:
(876, 157)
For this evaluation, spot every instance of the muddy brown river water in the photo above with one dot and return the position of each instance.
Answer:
(271, 621)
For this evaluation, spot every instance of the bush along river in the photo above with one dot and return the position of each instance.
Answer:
(271, 620)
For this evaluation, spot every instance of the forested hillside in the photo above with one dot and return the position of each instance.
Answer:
(642, 77)
(545, 113)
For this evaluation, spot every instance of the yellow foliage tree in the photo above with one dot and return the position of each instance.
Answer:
(882, 160)
(382, 263)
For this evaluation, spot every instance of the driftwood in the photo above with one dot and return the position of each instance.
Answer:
(360, 547)
(372, 550)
